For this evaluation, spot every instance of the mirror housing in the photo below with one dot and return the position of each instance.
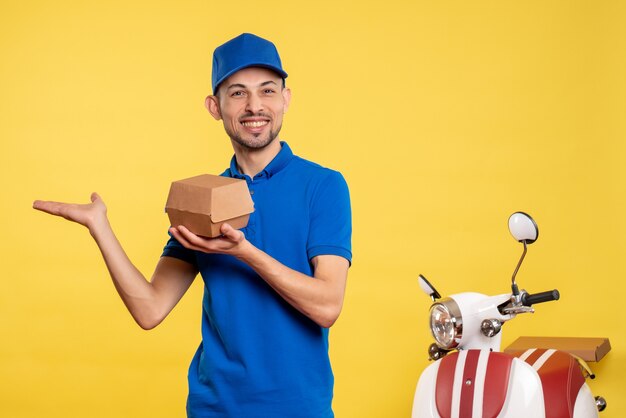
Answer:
(523, 228)
(428, 288)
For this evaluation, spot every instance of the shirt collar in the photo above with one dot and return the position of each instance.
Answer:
(279, 162)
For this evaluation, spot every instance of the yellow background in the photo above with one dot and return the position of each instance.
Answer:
(444, 116)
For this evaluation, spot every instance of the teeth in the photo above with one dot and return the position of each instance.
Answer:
(254, 124)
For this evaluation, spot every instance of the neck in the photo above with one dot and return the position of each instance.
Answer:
(251, 161)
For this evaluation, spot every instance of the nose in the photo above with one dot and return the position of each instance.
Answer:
(254, 104)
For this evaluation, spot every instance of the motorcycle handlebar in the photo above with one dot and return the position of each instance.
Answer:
(529, 300)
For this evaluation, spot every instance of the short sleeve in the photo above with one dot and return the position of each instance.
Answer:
(330, 231)
(175, 249)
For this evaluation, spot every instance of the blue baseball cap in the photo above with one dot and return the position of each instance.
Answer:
(246, 50)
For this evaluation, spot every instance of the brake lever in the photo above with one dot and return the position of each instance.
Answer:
(516, 305)
(514, 310)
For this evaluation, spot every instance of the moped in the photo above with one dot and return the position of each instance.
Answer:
(472, 378)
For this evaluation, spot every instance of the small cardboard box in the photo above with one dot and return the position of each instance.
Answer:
(203, 203)
(588, 349)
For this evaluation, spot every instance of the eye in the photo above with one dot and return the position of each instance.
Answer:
(237, 93)
(269, 91)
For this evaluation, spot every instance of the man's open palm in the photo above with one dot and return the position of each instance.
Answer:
(85, 214)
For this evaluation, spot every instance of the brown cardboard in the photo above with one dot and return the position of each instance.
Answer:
(589, 349)
(203, 203)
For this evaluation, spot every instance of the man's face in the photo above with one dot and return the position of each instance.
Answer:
(251, 104)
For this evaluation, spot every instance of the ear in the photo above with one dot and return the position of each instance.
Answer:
(212, 103)
(286, 92)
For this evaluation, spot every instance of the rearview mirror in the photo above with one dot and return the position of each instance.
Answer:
(523, 228)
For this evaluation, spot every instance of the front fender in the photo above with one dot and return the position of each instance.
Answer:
(478, 383)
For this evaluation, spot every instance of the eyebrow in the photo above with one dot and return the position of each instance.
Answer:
(243, 86)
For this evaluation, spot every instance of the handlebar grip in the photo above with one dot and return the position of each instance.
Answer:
(529, 300)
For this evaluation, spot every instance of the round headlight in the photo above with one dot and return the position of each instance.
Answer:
(446, 323)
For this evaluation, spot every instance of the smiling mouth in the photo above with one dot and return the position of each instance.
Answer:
(255, 123)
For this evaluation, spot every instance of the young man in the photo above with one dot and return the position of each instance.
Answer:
(272, 289)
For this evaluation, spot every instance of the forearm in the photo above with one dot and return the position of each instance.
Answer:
(320, 297)
(136, 292)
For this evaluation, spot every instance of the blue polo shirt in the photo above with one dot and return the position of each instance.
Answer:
(259, 356)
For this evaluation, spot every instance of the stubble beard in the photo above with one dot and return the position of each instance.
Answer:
(256, 142)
